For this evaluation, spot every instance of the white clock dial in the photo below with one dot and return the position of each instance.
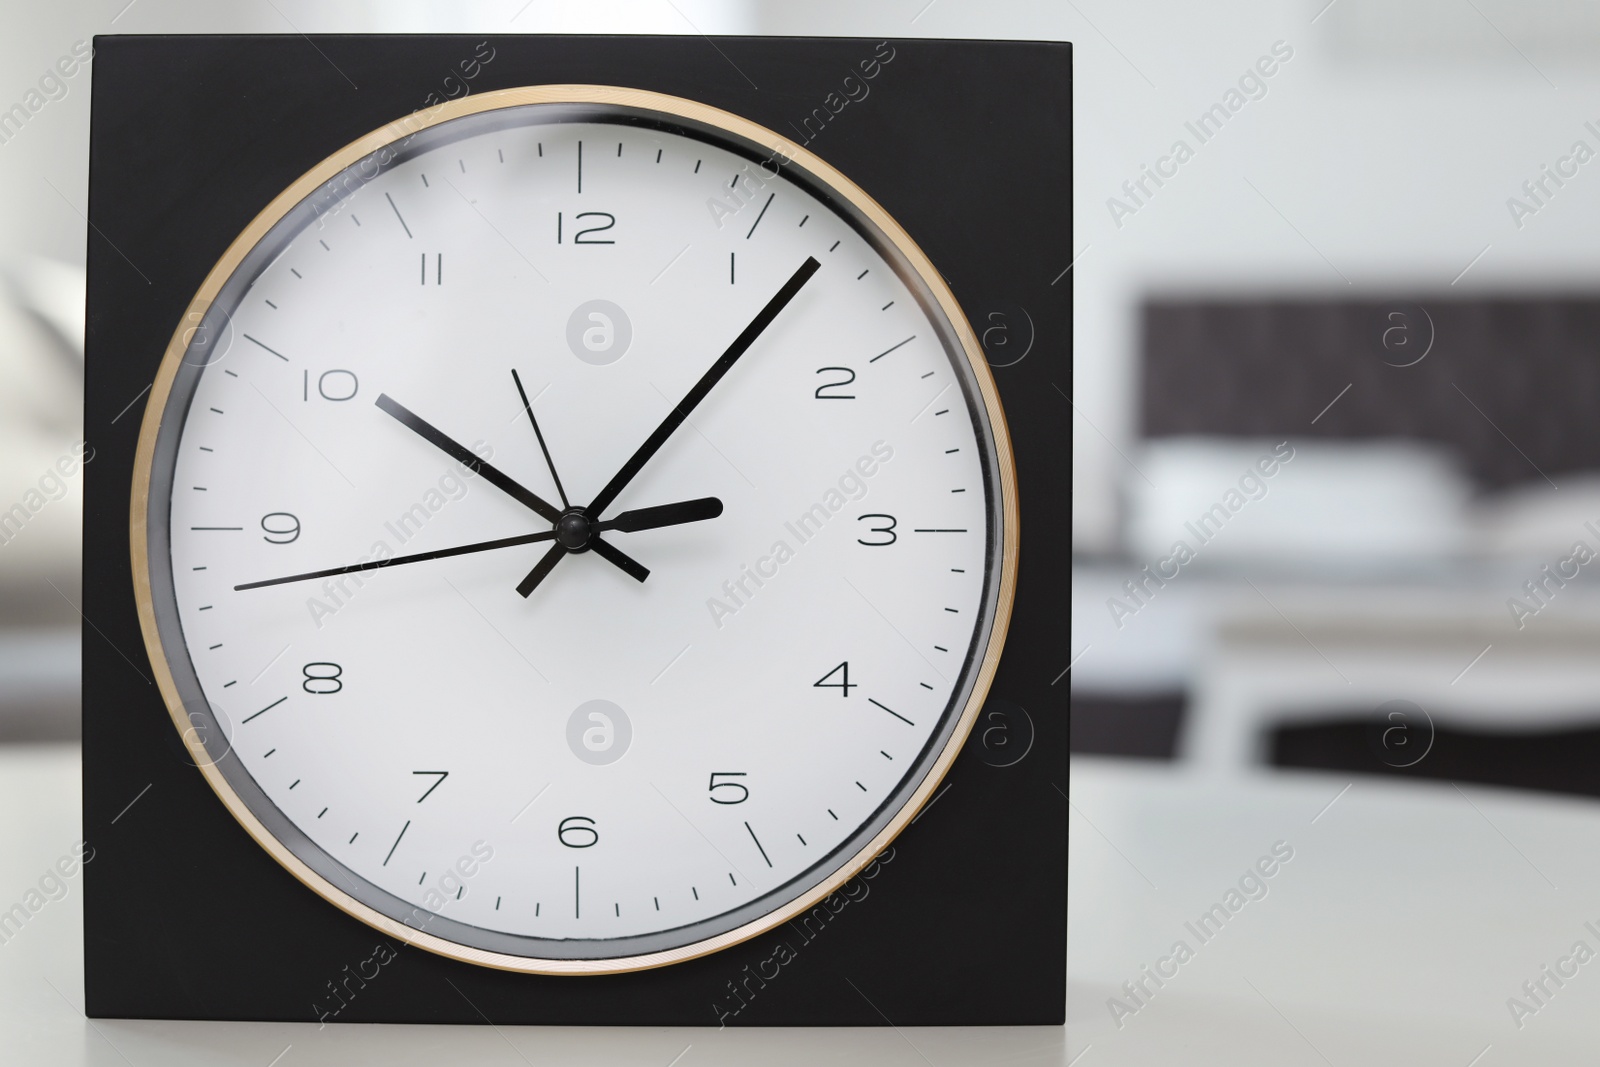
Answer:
(681, 729)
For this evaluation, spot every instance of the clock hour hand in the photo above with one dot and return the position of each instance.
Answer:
(628, 522)
(706, 507)
(645, 519)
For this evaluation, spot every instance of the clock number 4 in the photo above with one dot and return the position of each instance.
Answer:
(844, 684)
(325, 680)
(582, 236)
(728, 788)
(577, 831)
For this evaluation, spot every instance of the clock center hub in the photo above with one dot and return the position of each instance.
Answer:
(572, 530)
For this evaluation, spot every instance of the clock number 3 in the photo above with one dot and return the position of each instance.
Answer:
(889, 529)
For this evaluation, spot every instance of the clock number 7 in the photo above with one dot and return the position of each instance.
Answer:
(844, 684)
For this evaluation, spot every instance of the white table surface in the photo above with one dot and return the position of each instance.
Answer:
(1409, 915)
(41, 995)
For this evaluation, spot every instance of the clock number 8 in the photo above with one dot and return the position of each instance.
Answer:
(322, 682)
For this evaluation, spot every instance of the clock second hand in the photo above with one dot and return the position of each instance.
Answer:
(652, 518)
(592, 540)
(676, 417)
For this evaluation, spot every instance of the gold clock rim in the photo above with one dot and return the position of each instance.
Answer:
(678, 107)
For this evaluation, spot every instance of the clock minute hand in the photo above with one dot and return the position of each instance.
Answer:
(461, 454)
(493, 475)
(707, 382)
(628, 522)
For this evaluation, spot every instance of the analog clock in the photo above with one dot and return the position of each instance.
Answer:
(574, 529)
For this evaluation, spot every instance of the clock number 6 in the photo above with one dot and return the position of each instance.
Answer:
(744, 792)
(324, 681)
(572, 829)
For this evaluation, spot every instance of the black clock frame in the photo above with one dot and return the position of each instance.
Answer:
(185, 917)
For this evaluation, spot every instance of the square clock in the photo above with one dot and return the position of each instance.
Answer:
(553, 552)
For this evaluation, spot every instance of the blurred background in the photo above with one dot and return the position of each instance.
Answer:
(1336, 485)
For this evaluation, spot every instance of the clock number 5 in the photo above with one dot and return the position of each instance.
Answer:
(844, 685)
(574, 830)
(889, 529)
(744, 792)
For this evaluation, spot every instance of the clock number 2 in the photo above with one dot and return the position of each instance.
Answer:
(728, 787)
(823, 394)
(844, 685)
(324, 681)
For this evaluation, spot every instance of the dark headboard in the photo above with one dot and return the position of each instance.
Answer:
(1268, 367)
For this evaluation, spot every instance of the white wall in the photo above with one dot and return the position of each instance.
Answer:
(1384, 150)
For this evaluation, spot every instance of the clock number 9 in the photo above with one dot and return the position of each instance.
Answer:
(889, 529)
(572, 829)
(325, 681)
(283, 529)
(744, 792)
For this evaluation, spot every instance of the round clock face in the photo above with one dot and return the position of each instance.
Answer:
(573, 537)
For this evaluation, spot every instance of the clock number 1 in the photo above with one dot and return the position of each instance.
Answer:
(844, 685)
